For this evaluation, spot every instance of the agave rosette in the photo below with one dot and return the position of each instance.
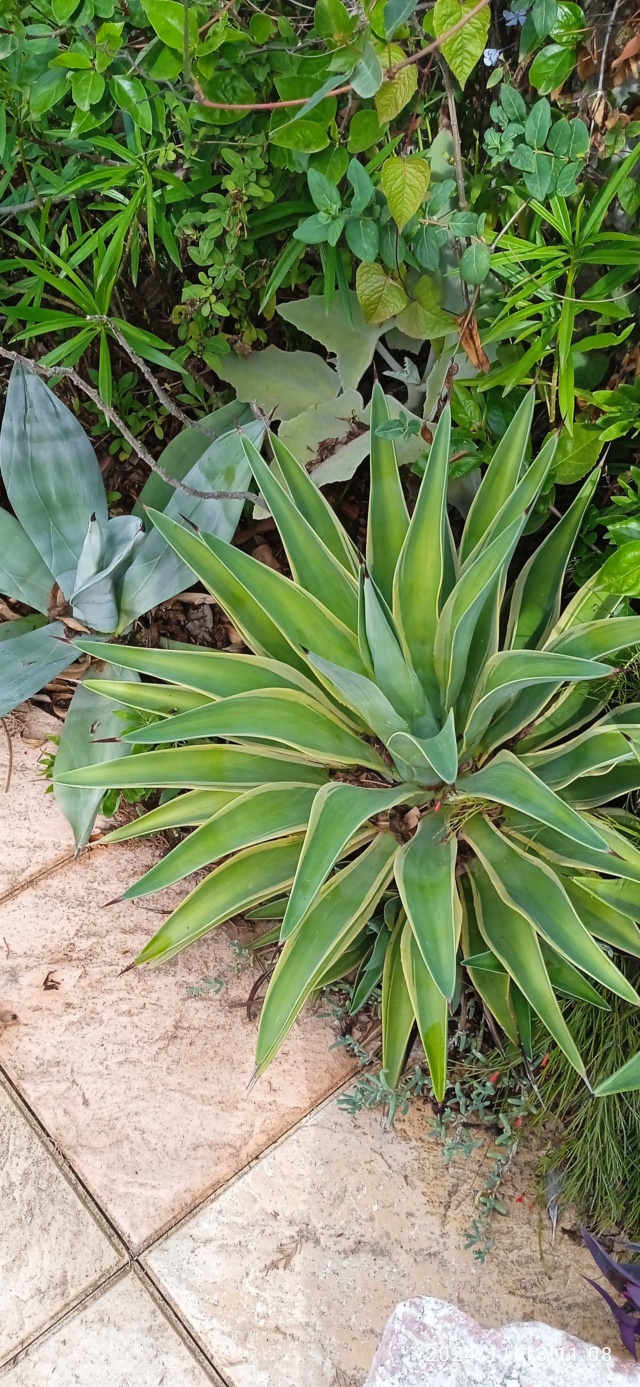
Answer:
(416, 757)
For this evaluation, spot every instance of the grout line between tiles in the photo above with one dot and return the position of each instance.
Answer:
(182, 1329)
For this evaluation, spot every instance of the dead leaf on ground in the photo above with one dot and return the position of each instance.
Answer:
(630, 50)
(264, 554)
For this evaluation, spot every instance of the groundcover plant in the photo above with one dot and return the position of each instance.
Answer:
(409, 730)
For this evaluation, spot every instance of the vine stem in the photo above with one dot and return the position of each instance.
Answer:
(340, 91)
(110, 413)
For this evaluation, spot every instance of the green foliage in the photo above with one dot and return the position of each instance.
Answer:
(64, 555)
(419, 740)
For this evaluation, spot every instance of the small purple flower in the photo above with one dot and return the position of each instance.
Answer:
(513, 18)
(491, 56)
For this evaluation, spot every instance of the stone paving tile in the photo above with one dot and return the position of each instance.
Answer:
(119, 1339)
(33, 832)
(52, 1250)
(142, 1085)
(288, 1276)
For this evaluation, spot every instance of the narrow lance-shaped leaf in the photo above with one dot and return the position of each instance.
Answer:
(426, 879)
(430, 1010)
(262, 813)
(507, 781)
(461, 611)
(510, 671)
(286, 716)
(90, 729)
(163, 699)
(500, 478)
(512, 939)
(240, 882)
(429, 756)
(533, 889)
(397, 1010)
(360, 695)
(396, 678)
(493, 984)
(338, 915)
(339, 810)
(210, 767)
(311, 502)
(388, 517)
(535, 604)
(183, 811)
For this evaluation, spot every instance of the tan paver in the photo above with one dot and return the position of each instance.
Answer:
(120, 1339)
(288, 1276)
(143, 1086)
(52, 1250)
(33, 832)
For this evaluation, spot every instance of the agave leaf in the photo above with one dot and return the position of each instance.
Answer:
(164, 699)
(426, 880)
(51, 474)
(371, 976)
(398, 1016)
(518, 504)
(622, 895)
(343, 907)
(159, 570)
(420, 571)
(23, 574)
(395, 677)
(501, 477)
(462, 609)
(209, 767)
(431, 755)
(566, 979)
(595, 639)
(590, 791)
(313, 506)
(507, 781)
(624, 1080)
(339, 810)
(537, 593)
(29, 661)
(585, 755)
(592, 602)
(360, 695)
(106, 554)
(285, 716)
(565, 851)
(509, 671)
(250, 876)
(183, 811)
(182, 453)
(296, 613)
(603, 920)
(312, 564)
(494, 987)
(530, 887)
(511, 937)
(345, 963)
(265, 812)
(90, 730)
(388, 517)
(550, 721)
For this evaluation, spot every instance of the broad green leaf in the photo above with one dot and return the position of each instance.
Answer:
(130, 95)
(426, 877)
(339, 810)
(379, 295)
(167, 18)
(624, 1080)
(590, 791)
(404, 182)
(507, 781)
(533, 889)
(244, 880)
(500, 478)
(577, 453)
(430, 1010)
(465, 49)
(475, 263)
(344, 905)
(183, 811)
(282, 383)
(396, 12)
(510, 936)
(47, 91)
(352, 339)
(388, 517)
(551, 67)
(537, 592)
(364, 129)
(313, 565)
(23, 574)
(158, 571)
(182, 453)
(50, 472)
(429, 756)
(397, 1010)
(212, 767)
(366, 80)
(286, 716)
(395, 92)
(29, 661)
(304, 136)
(510, 671)
(260, 814)
(420, 570)
(566, 852)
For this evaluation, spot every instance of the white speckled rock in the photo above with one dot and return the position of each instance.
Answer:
(429, 1343)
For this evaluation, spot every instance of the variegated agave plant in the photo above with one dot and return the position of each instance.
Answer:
(408, 731)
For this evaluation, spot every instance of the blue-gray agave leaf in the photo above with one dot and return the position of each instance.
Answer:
(106, 554)
(23, 574)
(31, 660)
